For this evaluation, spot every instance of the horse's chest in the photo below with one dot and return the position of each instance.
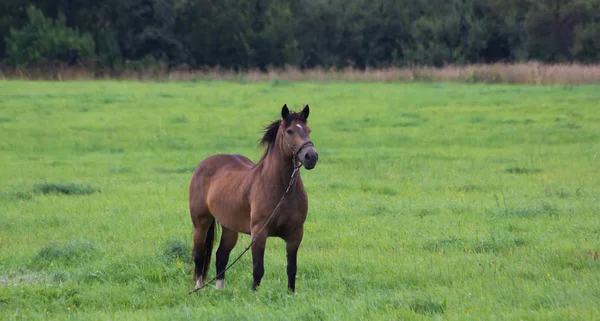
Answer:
(290, 216)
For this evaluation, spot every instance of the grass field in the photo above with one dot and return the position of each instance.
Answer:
(429, 201)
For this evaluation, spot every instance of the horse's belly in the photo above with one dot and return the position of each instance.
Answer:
(232, 217)
(229, 208)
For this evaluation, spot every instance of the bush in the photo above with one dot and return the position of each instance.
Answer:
(146, 37)
(43, 41)
(586, 46)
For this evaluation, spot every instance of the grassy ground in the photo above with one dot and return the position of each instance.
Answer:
(430, 201)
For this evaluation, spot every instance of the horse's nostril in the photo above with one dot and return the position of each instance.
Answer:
(307, 157)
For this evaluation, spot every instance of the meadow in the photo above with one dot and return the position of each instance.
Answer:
(430, 201)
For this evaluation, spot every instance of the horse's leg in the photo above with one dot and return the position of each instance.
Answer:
(228, 240)
(258, 255)
(291, 246)
(202, 224)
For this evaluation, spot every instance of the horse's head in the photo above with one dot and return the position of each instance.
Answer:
(296, 136)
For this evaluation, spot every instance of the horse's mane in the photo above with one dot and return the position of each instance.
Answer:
(271, 130)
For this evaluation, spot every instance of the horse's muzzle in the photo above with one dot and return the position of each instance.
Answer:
(310, 159)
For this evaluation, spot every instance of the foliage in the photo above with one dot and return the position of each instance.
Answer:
(44, 41)
(240, 34)
(586, 47)
(257, 34)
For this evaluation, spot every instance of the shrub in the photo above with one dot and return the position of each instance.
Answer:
(43, 41)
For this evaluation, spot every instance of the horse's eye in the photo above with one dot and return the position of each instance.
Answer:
(289, 131)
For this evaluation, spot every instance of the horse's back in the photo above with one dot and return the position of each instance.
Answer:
(219, 162)
(217, 165)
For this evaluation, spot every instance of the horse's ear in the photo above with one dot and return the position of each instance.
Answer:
(285, 113)
(305, 112)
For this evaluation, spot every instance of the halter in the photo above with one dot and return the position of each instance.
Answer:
(297, 150)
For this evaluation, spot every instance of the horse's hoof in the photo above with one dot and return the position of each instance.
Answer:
(199, 284)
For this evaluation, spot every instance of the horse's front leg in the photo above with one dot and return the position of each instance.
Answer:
(291, 247)
(258, 255)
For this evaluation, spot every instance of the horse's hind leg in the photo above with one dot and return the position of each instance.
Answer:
(202, 248)
(228, 240)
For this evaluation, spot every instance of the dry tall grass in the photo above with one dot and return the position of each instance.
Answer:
(523, 73)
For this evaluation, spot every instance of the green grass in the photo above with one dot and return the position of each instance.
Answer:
(429, 201)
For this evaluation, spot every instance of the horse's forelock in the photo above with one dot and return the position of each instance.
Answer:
(271, 130)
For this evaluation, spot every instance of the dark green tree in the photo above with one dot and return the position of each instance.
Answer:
(244, 34)
(44, 41)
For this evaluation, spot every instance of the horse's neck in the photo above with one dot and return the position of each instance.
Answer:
(277, 167)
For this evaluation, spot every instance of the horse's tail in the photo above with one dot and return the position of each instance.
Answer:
(208, 247)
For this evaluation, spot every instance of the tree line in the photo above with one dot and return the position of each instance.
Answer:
(251, 34)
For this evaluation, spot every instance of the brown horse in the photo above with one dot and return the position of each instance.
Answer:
(241, 196)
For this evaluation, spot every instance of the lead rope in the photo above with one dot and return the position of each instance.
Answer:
(292, 180)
